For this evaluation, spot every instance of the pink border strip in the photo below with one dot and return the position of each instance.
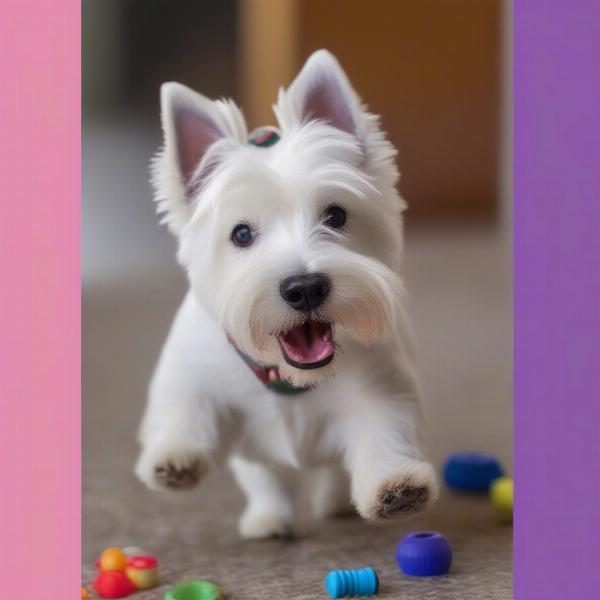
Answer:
(40, 450)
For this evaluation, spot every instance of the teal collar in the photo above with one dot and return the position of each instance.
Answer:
(269, 375)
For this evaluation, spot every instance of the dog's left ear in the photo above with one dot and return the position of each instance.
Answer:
(322, 91)
(192, 124)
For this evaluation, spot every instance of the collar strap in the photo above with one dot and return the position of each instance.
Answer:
(268, 375)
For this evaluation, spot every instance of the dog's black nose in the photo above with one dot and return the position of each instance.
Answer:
(305, 292)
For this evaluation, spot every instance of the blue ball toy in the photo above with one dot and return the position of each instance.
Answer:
(471, 471)
(358, 582)
(424, 554)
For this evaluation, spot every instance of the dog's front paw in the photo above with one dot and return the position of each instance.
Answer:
(181, 476)
(409, 490)
(174, 468)
(398, 498)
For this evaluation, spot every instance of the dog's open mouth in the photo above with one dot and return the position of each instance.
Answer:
(308, 346)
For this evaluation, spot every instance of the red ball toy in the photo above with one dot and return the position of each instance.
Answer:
(113, 584)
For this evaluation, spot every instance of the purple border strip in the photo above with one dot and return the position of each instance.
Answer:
(557, 298)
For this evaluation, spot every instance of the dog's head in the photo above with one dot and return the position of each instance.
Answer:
(292, 246)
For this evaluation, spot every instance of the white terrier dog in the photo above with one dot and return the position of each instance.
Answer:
(292, 349)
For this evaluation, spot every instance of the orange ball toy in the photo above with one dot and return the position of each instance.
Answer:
(113, 559)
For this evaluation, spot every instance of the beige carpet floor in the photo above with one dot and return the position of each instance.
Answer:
(459, 282)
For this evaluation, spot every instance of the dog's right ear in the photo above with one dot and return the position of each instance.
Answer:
(191, 124)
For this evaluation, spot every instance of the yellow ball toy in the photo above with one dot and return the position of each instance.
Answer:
(501, 493)
(142, 572)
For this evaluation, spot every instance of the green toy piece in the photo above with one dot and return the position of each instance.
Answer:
(196, 590)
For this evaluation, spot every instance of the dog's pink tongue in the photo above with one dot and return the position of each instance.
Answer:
(308, 343)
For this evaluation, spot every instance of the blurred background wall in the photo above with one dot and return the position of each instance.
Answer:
(430, 67)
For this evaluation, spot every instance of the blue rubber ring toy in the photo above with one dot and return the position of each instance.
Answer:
(356, 582)
(424, 554)
(471, 471)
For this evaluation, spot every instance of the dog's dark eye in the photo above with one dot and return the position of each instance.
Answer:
(335, 217)
(242, 235)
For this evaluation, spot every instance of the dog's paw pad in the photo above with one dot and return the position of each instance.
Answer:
(412, 488)
(178, 477)
(402, 499)
(171, 467)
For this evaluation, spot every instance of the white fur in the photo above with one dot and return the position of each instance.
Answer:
(205, 405)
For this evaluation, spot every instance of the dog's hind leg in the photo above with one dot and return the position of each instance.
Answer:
(330, 492)
(269, 509)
